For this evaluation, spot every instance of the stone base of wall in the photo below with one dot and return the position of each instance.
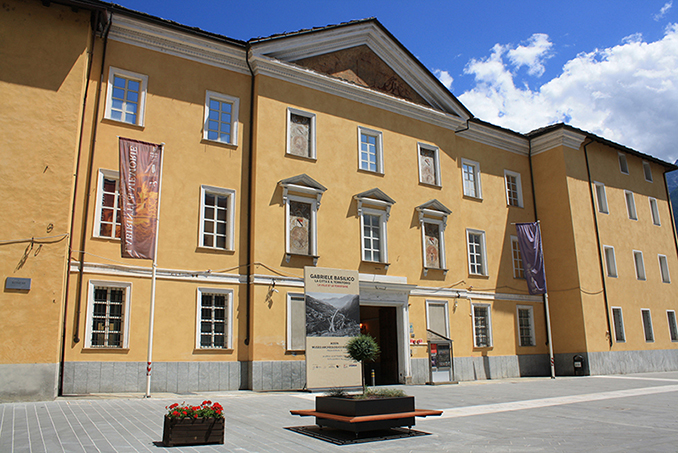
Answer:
(173, 377)
(479, 368)
(624, 362)
(28, 382)
(278, 375)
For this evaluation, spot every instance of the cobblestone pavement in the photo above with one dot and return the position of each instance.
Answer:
(570, 414)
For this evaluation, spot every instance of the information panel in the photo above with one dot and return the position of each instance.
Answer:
(332, 318)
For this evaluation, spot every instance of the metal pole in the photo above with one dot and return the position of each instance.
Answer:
(151, 315)
(548, 332)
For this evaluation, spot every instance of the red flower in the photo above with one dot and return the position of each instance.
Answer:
(175, 413)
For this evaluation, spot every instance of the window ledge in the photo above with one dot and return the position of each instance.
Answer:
(213, 350)
(296, 156)
(386, 265)
(378, 173)
(426, 269)
(471, 197)
(288, 256)
(202, 248)
(91, 350)
(428, 184)
(207, 141)
(139, 127)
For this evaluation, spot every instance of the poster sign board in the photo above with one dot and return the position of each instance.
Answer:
(332, 318)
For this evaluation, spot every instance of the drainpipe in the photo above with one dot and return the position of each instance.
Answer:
(95, 20)
(83, 235)
(600, 255)
(673, 221)
(250, 186)
(536, 219)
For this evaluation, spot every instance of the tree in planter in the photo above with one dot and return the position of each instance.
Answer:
(363, 348)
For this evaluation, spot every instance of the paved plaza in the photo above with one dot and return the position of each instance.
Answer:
(570, 414)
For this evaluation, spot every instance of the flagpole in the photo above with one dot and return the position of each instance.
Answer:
(151, 315)
(548, 333)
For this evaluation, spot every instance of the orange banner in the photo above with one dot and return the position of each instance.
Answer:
(140, 165)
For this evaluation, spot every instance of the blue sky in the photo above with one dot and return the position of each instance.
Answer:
(608, 67)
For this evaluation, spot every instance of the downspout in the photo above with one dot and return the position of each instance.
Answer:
(600, 255)
(250, 186)
(95, 20)
(673, 221)
(83, 235)
(536, 219)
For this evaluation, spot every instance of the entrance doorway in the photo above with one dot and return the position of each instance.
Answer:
(381, 324)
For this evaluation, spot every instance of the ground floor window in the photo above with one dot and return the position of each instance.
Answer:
(482, 327)
(296, 322)
(673, 329)
(647, 325)
(108, 314)
(214, 318)
(526, 326)
(619, 335)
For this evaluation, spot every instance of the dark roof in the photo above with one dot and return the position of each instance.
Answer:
(596, 138)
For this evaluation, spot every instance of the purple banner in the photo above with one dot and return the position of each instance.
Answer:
(139, 193)
(529, 238)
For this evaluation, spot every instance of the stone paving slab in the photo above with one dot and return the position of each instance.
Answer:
(572, 414)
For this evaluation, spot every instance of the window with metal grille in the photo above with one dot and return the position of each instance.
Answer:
(481, 326)
(107, 317)
(618, 322)
(525, 326)
(673, 329)
(647, 325)
(213, 320)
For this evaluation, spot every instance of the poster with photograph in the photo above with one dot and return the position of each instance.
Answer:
(332, 318)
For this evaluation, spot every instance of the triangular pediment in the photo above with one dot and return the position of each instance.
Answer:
(375, 194)
(434, 205)
(364, 53)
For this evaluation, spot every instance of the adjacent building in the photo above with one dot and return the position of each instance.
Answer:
(331, 147)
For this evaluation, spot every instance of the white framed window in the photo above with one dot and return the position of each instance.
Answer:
(525, 316)
(107, 216)
(301, 196)
(482, 325)
(618, 322)
(517, 258)
(437, 317)
(371, 152)
(514, 188)
(470, 171)
(673, 328)
(601, 197)
(639, 264)
(373, 220)
(221, 118)
(664, 269)
(301, 133)
(623, 164)
(477, 256)
(108, 314)
(296, 322)
(429, 164)
(630, 205)
(647, 171)
(126, 96)
(217, 218)
(214, 319)
(654, 210)
(647, 324)
(610, 261)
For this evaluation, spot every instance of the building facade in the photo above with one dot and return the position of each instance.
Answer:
(330, 147)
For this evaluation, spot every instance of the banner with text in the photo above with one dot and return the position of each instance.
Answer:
(140, 165)
(332, 318)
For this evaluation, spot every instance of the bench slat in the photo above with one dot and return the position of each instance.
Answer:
(366, 418)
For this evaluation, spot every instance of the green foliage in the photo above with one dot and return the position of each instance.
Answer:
(363, 348)
(384, 393)
(207, 409)
(337, 392)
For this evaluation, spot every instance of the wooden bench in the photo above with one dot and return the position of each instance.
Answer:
(365, 422)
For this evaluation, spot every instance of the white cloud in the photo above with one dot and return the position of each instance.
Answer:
(444, 77)
(662, 12)
(627, 93)
(532, 55)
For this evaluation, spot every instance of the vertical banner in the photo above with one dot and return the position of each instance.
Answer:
(332, 318)
(529, 238)
(139, 193)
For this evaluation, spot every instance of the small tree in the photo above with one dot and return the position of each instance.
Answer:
(361, 349)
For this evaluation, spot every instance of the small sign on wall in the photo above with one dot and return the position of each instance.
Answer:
(23, 284)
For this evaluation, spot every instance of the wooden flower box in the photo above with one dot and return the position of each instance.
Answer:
(193, 431)
(366, 414)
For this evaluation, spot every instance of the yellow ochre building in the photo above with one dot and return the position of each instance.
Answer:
(331, 147)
